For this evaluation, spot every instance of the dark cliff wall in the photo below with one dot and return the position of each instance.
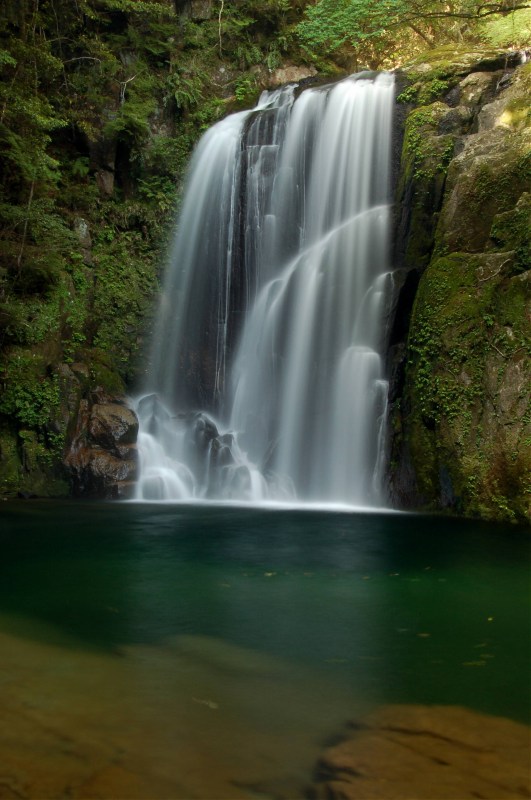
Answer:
(460, 429)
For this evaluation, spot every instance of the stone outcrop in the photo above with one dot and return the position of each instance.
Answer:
(419, 752)
(197, 10)
(460, 392)
(102, 458)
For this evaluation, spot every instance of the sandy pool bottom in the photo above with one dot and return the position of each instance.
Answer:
(199, 718)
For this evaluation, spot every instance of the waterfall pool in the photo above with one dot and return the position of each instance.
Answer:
(166, 651)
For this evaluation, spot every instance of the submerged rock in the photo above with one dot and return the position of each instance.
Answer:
(418, 752)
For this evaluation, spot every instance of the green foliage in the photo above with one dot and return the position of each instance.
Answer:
(428, 152)
(126, 280)
(29, 394)
(186, 87)
(425, 91)
(511, 30)
(378, 32)
(246, 90)
(354, 29)
(130, 123)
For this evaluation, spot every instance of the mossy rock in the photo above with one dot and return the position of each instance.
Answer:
(425, 158)
(28, 467)
(466, 385)
(100, 371)
(10, 464)
(452, 62)
(481, 186)
(510, 231)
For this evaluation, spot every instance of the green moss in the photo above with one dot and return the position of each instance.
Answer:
(489, 186)
(424, 92)
(126, 283)
(425, 159)
(445, 338)
(429, 153)
(26, 466)
(461, 324)
(451, 62)
(502, 179)
(10, 464)
(510, 231)
(511, 304)
(517, 113)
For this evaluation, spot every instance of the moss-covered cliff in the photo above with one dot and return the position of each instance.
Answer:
(461, 425)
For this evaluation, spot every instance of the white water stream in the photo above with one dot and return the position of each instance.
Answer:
(267, 379)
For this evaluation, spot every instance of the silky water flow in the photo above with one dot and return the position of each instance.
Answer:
(267, 379)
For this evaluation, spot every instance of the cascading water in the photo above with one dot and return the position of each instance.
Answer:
(267, 379)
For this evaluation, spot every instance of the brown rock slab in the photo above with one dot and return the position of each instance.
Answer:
(428, 753)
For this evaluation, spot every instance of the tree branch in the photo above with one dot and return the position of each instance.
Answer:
(25, 229)
(219, 24)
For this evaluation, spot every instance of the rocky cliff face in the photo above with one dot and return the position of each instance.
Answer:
(460, 413)
(460, 422)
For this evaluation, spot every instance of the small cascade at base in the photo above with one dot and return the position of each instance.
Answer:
(267, 379)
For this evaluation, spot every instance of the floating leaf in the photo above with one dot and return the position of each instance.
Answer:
(208, 703)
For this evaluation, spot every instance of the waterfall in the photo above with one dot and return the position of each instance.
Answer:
(267, 380)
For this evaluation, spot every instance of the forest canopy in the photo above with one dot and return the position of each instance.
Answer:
(384, 32)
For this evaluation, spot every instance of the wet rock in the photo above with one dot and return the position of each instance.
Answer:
(419, 752)
(112, 425)
(102, 458)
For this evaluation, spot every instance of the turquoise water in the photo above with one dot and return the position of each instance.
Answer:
(270, 621)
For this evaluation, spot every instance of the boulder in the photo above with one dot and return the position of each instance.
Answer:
(102, 458)
(111, 425)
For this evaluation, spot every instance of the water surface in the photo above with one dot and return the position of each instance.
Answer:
(213, 651)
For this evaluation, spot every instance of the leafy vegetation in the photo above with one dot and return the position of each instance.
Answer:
(383, 33)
